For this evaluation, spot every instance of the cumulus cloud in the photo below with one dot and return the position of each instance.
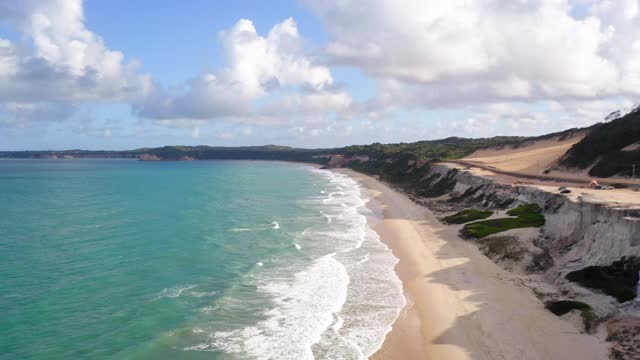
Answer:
(268, 79)
(58, 63)
(477, 67)
(445, 53)
(63, 61)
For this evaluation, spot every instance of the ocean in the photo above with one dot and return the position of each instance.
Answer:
(120, 259)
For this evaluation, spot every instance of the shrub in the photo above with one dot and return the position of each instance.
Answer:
(620, 279)
(589, 318)
(468, 215)
(527, 215)
(562, 307)
(524, 210)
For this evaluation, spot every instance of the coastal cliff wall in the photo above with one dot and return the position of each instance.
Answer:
(576, 233)
(556, 245)
(587, 254)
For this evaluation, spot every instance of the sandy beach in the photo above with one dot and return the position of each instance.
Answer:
(460, 305)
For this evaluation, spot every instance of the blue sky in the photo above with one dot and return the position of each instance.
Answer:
(174, 41)
(124, 74)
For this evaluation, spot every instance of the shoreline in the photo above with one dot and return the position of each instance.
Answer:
(459, 304)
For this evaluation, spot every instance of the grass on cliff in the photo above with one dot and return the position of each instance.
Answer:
(561, 307)
(564, 306)
(524, 216)
(620, 279)
(466, 216)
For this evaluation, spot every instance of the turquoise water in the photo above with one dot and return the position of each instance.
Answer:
(118, 259)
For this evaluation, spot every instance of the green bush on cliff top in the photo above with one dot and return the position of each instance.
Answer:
(562, 307)
(466, 216)
(528, 215)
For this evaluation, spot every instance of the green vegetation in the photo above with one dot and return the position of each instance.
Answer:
(603, 146)
(617, 163)
(528, 215)
(620, 279)
(269, 152)
(589, 318)
(500, 248)
(397, 163)
(564, 306)
(443, 149)
(526, 210)
(394, 168)
(468, 215)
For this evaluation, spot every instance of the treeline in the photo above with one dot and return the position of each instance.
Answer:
(433, 150)
(603, 148)
(269, 152)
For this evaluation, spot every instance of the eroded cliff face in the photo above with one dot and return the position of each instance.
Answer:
(577, 233)
(582, 234)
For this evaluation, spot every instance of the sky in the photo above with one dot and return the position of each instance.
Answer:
(116, 74)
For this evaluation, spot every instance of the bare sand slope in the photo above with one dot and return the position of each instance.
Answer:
(461, 305)
(531, 159)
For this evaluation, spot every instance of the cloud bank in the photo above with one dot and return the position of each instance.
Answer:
(468, 67)
(444, 53)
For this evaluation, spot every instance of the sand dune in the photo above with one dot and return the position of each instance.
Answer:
(532, 159)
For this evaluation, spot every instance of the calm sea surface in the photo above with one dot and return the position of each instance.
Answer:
(119, 259)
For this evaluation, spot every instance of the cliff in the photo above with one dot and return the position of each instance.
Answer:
(586, 253)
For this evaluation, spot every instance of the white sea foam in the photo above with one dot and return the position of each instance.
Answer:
(197, 347)
(201, 293)
(374, 293)
(329, 219)
(182, 290)
(338, 306)
(209, 309)
(274, 226)
(364, 259)
(303, 310)
(173, 292)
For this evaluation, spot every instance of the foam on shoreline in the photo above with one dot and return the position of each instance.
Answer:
(339, 301)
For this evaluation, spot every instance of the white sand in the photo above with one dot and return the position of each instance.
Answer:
(532, 159)
(461, 305)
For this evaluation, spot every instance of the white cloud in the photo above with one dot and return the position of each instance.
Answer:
(509, 67)
(62, 60)
(433, 53)
(268, 80)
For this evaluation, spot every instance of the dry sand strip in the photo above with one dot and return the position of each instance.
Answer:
(460, 304)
